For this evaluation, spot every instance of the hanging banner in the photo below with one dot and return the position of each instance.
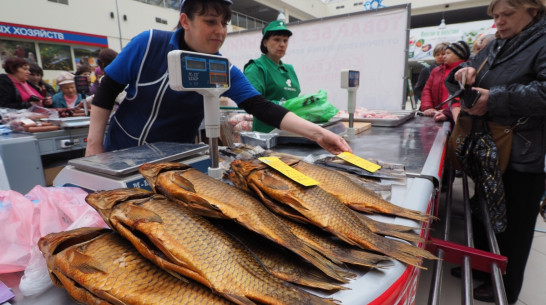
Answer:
(423, 40)
(20, 31)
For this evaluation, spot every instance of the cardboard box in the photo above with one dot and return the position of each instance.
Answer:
(50, 174)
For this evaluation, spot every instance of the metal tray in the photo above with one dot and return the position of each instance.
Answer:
(69, 122)
(403, 116)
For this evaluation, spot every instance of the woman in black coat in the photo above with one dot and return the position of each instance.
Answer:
(512, 84)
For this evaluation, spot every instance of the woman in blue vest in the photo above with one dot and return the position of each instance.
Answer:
(153, 112)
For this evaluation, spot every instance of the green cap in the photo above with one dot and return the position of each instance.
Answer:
(277, 25)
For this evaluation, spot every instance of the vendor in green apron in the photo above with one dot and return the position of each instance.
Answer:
(275, 80)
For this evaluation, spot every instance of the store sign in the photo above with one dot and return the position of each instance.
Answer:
(39, 33)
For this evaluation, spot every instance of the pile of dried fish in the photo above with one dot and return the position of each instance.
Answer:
(316, 206)
(184, 243)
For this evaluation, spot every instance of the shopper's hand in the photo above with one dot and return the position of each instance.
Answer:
(469, 73)
(480, 108)
(429, 112)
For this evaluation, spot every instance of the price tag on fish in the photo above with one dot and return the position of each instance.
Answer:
(288, 171)
(360, 162)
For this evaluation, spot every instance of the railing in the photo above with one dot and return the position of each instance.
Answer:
(467, 256)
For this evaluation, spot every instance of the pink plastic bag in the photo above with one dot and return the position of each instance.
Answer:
(42, 211)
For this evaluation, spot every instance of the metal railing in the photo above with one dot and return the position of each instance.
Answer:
(466, 256)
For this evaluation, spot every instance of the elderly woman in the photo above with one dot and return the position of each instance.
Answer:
(512, 84)
(15, 91)
(67, 97)
(275, 80)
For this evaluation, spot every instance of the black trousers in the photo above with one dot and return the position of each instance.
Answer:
(523, 192)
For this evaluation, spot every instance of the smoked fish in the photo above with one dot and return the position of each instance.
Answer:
(213, 198)
(321, 209)
(352, 194)
(99, 266)
(176, 239)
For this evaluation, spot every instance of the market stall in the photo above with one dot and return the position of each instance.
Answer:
(418, 144)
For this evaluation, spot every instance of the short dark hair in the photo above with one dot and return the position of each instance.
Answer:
(83, 69)
(35, 69)
(269, 35)
(13, 63)
(106, 56)
(201, 7)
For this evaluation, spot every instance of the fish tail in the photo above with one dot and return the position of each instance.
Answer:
(410, 254)
(315, 279)
(325, 265)
(364, 258)
(382, 228)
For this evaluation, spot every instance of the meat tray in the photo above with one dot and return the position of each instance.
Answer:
(403, 116)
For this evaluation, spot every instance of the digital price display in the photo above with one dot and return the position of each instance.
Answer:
(196, 64)
(190, 70)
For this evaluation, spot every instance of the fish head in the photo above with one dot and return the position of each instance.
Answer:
(54, 243)
(105, 201)
(150, 171)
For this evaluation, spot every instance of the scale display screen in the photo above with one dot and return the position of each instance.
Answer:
(195, 71)
(196, 64)
(354, 78)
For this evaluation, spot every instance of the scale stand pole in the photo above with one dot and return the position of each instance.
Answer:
(211, 103)
(350, 80)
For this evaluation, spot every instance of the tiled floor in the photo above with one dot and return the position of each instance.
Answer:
(534, 286)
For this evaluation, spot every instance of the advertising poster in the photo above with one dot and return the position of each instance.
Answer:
(9, 48)
(56, 57)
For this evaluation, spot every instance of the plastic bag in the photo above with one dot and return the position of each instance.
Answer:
(313, 107)
(27, 218)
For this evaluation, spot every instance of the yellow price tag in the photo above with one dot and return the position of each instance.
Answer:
(288, 171)
(360, 162)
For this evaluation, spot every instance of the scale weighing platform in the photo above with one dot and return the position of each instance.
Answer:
(119, 169)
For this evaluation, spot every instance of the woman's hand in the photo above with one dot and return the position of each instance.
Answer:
(429, 112)
(480, 108)
(47, 101)
(332, 142)
(468, 74)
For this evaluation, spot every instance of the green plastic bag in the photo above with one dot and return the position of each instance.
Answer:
(312, 107)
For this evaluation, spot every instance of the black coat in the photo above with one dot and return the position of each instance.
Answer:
(9, 95)
(515, 75)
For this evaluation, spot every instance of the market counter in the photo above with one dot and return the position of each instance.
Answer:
(419, 144)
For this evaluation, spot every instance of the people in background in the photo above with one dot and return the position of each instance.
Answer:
(481, 42)
(435, 91)
(512, 84)
(36, 81)
(84, 70)
(275, 80)
(15, 91)
(67, 97)
(438, 54)
(153, 112)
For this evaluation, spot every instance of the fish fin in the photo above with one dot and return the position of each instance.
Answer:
(273, 181)
(237, 299)
(137, 214)
(183, 183)
(85, 263)
(314, 279)
(388, 229)
(410, 254)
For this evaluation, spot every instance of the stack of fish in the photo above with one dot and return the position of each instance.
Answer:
(206, 235)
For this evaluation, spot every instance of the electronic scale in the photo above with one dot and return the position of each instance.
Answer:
(209, 76)
(350, 80)
(119, 168)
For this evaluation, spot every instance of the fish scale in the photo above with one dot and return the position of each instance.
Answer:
(104, 268)
(193, 247)
(323, 210)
